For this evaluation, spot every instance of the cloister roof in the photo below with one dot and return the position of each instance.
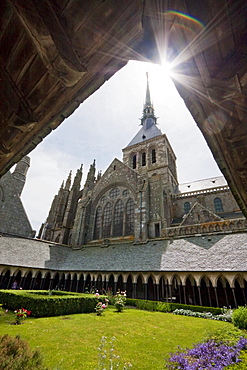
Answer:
(221, 252)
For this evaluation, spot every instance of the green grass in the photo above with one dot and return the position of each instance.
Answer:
(143, 338)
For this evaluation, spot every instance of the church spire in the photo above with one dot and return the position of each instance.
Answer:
(148, 99)
(148, 117)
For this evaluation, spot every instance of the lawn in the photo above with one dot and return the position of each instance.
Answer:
(143, 338)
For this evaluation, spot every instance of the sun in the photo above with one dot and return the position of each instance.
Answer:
(166, 68)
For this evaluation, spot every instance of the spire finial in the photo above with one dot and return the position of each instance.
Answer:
(148, 99)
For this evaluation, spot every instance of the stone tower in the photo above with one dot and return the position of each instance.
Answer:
(151, 155)
(13, 217)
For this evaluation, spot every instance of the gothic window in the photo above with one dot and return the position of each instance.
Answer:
(107, 218)
(186, 207)
(130, 217)
(126, 193)
(97, 224)
(218, 205)
(118, 218)
(144, 159)
(134, 161)
(114, 193)
(153, 156)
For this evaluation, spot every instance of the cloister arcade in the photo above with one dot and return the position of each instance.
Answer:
(205, 289)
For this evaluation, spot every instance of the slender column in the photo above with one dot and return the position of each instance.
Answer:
(145, 291)
(83, 286)
(209, 296)
(77, 284)
(216, 296)
(179, 293)
(22, 281)
(42, 282)
(170, 292)
(234, 297)
(243, 290)
(167, 289)
(134, 291)
(184, 291)
(200, 296)
(227, 303)
(157, 292)
(50, 284)
(31, 283)
(9, 282)
(194, 296)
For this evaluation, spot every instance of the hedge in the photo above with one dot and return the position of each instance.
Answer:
(45, 303)
(169, 307)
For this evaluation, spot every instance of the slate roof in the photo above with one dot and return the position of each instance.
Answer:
(213, 182)
(226, 252)
(145, 134)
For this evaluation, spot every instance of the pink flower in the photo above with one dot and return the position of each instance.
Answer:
(97, 295)
(103, 305)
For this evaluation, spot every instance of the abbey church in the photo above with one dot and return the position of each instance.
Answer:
(139, 198)
(136, 228)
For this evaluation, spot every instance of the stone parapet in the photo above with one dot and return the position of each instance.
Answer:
(226, 226)
(218, 189)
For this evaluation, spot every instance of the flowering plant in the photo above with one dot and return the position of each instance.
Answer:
(100, 306)
(120, 300)
(209, 355)
(21, 314)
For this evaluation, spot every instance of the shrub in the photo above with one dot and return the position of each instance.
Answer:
(225, 316)
(239, 317)
(120, 300)
(229, 335)
(15, 354)
(43, 304)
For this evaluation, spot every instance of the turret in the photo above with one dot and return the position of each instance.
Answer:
(19, 174)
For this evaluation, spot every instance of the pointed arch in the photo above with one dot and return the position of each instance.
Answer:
(218, 206)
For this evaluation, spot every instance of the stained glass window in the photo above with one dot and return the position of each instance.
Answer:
(118, 218)
(130, 217)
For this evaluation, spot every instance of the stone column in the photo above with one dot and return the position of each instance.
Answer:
(209, 296)
(200, 296)
(145, 291)
(216, 296)
(134, 291)
(234, 297)
(184, 291)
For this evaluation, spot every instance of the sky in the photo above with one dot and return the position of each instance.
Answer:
(103, 125)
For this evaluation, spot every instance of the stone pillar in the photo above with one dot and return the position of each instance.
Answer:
(209, 296)
(200, 296)
(216, 296)
(194, 296)
(234, 297)
(134, 291)
(170, 292)
(227, 303)
(184, 291)
(157, 292)
(145, 291)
